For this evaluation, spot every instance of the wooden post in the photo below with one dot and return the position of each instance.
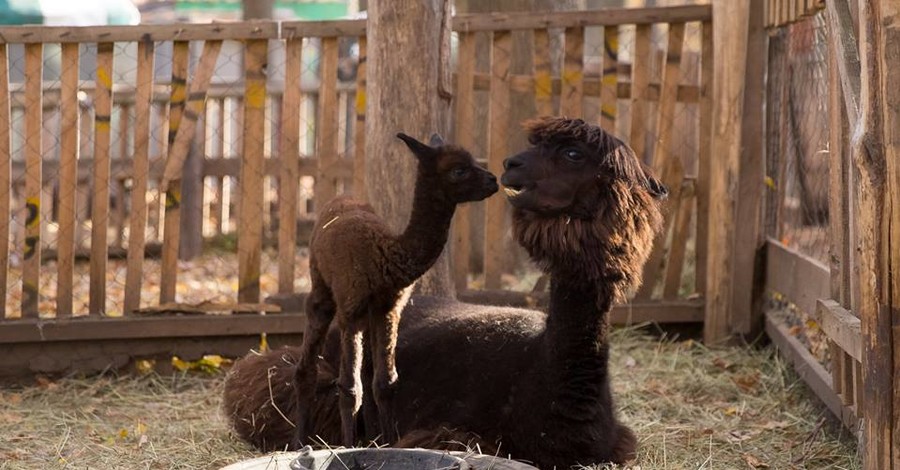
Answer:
(100, 195)
(33, 157)
(5, 178)
(609, 80)
(68, 159)
(704, 155)
(289, 177)
(464, 135)
(327, 124)
(746, 320)
(501, 50)
(251, 178)
(141, 161)
(730, 29)
(640, 81)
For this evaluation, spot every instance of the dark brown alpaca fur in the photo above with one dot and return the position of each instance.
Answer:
(535, 385)
(362, 273)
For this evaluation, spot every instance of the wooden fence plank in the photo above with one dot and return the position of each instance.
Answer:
(125, 33)
(141, 162)
(464, 135)
(501, 52)
(581, 18)
(33, 155)
(800, 278)
(678, 246)
(640, 79)
(543, 79)
(100, 195)
(609, 80)
(667, 163)
(5, 157)
(840, 326)
(251, 179)
(172, 218)
(359, 129)
(327, 125)
(572, 94)
(843, 43)
(68, 160)
(704, 156)
(289, 179)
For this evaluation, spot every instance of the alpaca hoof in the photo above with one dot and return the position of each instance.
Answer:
(625, 449)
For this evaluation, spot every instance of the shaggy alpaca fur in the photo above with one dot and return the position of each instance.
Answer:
(535, 385)
(363, 274)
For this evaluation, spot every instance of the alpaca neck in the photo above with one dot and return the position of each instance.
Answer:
(423, 240)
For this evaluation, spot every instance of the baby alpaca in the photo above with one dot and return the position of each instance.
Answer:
(364, 273)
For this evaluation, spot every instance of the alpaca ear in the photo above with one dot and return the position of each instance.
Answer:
(654, 186)
(436, 140)
(419, 149)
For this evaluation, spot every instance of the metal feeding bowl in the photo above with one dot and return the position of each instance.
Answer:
(375, 459)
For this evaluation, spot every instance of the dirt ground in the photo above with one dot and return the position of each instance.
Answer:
(691, 406)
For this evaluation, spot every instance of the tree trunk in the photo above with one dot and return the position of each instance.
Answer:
(404, 94)
(258, 9)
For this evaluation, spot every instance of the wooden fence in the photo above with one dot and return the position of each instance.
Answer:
(133, 155)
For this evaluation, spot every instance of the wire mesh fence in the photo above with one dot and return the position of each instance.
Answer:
(798, 130)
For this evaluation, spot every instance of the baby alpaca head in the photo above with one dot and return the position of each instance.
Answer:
(583, 202)
(450, 171)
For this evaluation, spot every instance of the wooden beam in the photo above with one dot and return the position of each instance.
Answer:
(599, 17)
(730, 31)
(843, 42)
(800, 278)
(840, 326)
(149, 33)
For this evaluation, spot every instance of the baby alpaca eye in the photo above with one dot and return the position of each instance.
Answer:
(574, 155)
(459, 172)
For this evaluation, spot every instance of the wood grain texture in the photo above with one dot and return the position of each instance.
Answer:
(572, 93)
(640, 80)
(31, 266)
(289, 178)
(327, 124)
(5, 179)
(464, 135)
(495, 207)
(68, 160)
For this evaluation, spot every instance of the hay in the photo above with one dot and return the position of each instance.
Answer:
(691, 407)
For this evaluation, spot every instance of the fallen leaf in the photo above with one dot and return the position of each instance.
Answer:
(731, 411)
(740, 435)
(144, 366)
(747, 382)
(754, 462)
(722, 363)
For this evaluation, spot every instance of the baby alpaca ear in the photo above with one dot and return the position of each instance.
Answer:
(436, 140)
(419, 149)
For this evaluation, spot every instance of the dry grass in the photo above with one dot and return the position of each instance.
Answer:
(692, 407)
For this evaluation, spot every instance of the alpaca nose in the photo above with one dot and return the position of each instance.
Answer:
(512, 162)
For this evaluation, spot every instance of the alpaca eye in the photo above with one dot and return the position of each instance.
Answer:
(459, 172)
(574, 155)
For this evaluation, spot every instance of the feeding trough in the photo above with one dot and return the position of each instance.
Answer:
(374, 458)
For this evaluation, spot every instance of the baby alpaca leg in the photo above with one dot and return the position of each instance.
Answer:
(350, 382)
(383, 336)
(320, 310)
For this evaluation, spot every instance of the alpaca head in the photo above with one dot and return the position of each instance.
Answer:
(450, 171)
(584, 203)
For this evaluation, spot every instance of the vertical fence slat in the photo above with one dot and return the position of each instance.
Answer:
(501, 50)
(251, 177)
(119, 196)
(327, 127)
(141, 165)
(640, 81)
(675, 264)
(100, 201)
(704, 155)
(171, 227)
(609, 80)
(464, 135)
(5, 178)
(543, 80)
(218, 211)
(359, 130)
(68, 155)
(33, 155)
(572, 90)
(664, 161)
(289, 177)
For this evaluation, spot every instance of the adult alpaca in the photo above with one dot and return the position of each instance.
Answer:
(534, 384)
(362, 273)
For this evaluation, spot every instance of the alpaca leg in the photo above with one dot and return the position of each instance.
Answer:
(384, 343)
(369, 408)
(350, 382)
(320, 310)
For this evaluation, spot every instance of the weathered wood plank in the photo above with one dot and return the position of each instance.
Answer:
(809, 369)
(573, 19)
(800, 278)
(172, 218)
(543, 79)
(640, 80)
(501, 52)
(572, 93)
(289, 177)
(843, 43)
(359, 129)
(148, 33)
(609, 79)
(664, 161)
(704, 156)
(840, 326)
(839, 185)
(68, 160)
(100, 196)
(730, 32)
(678, 247)
(5, 178)
(464, 135)
(251, 179)
(327, 125)
(33, 154)
(141, 162)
